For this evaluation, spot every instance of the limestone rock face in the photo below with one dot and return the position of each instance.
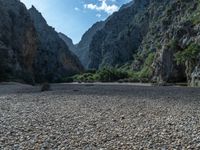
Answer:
(68, 41)
(162, 27)
(82, 48)
(54, 60)
(18, 44)
(121, 36)
(195, 82)
(173, 34)
(30, 50)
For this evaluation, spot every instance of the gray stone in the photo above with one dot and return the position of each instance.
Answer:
(195, 77)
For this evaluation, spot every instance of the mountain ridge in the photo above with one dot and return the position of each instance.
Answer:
(30, 50)
(157, 39)
(53, 53)
(162, 28)
(81, 50)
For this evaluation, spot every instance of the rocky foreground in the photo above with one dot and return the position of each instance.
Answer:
(99, 117)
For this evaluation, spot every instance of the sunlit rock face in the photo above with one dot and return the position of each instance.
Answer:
(121, 36)
(148, 26)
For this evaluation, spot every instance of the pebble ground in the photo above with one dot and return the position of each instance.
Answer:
(99, 117)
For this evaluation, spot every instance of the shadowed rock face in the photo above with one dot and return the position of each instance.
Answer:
(68, 41)
(53, 58)
(17, 41)
(82, 48)
(30, 50)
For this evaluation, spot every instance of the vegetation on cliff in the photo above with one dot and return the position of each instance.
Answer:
(189, 57)
(190, 54)
(117, 74)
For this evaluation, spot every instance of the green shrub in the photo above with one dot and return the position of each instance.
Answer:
(103, 75)
(121, 74)
(146, 71)
(195, 19)
(126, 67)
(111, 74)
(189, 54)
(173, 44)
(85, 77)
(195, 16)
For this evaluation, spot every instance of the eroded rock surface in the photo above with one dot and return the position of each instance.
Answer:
(54, 59)
(30, 50)
(18, 41)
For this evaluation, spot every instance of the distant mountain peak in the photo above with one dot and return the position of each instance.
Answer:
(33, 7)
(37, 15)
(68, 41)
(127, 5)
(64, 35)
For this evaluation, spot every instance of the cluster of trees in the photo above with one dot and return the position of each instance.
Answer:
(120, 74)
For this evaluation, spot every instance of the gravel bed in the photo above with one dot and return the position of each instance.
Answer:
(99, 117)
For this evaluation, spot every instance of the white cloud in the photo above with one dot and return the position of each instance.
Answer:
(76, 8)
(98, 15)
(103, 7)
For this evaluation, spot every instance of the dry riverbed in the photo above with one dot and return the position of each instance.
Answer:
(98, 117)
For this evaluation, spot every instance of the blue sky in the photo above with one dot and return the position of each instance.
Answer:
(74, 17)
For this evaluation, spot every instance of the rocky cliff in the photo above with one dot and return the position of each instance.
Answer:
(164, 28)
(68, 41)
(30, 50)
(120, 38)
(18, 44)
(54, 60)
(160, 38)
(82, 48)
